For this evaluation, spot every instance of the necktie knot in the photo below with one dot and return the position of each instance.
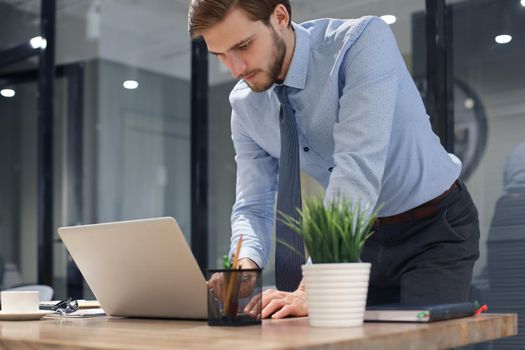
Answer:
(281, 91)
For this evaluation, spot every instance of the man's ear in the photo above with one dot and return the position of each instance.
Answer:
(280, 17)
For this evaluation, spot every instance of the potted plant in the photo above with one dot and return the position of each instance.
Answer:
(337, 282)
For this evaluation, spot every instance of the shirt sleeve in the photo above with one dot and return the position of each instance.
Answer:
(370, 78)
(256, 188)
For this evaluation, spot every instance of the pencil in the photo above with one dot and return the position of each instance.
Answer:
(233, 277)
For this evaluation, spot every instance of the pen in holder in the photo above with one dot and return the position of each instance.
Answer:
(237, 299)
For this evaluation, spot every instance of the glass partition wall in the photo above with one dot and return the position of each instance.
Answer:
(489, 107)
(136, 125)
(121, 127)
(18, 180)
(18, 145)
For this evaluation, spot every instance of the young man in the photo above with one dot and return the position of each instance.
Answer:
(335, 97)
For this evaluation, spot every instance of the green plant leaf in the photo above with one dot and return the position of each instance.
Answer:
(332, 233)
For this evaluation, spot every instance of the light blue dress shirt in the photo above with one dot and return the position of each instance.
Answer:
(363, 129)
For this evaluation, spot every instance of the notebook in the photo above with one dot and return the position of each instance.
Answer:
(424, 313)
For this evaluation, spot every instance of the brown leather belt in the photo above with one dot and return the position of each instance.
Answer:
(425, 210)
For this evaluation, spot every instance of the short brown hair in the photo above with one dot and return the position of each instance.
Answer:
(204, 14)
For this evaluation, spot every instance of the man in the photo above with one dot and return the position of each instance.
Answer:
(335, 97)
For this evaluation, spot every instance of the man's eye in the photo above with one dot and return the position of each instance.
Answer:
(244, 46)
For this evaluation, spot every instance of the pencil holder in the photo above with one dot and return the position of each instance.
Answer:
(234, 297)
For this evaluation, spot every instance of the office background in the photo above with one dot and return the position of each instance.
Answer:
(81, 143)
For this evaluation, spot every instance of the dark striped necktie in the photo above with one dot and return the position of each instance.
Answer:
(288, 262)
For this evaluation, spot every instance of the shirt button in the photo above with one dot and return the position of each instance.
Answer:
(306, 149)
(330, 169)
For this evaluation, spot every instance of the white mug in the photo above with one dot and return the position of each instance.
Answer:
(20, 301)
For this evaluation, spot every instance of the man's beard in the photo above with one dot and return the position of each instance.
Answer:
(275, 67)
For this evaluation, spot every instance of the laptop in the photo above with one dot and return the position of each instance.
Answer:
(139, 268)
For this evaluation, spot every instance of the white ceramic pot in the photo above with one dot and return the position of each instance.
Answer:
(336, 293)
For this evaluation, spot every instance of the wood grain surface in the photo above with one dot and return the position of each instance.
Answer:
(292, 333)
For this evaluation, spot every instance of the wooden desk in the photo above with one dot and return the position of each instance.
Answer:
(108, 333)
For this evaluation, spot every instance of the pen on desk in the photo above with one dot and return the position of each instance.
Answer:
(233, 277)
(481, 309)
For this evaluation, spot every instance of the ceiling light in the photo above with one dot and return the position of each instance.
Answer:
(503, 39)
(391, 19)
(38, 42)
(7, 92)
(469, 103)
(130, 84)
(522, 3)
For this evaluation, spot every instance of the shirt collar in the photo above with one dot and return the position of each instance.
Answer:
(296, 76)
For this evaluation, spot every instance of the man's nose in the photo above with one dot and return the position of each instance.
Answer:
(236, 65)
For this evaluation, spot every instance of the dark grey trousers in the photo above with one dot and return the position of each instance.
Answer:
(425, 261)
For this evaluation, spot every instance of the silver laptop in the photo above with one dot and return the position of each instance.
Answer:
(139, 268)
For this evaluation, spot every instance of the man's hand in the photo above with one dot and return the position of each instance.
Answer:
(218, 286)
(278, 304)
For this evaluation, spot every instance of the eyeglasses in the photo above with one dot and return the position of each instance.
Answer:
(65, 307)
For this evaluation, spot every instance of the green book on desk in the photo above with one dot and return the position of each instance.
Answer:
(424, 313)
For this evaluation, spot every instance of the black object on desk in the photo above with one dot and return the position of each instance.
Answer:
(238, 302)
(422, 313)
